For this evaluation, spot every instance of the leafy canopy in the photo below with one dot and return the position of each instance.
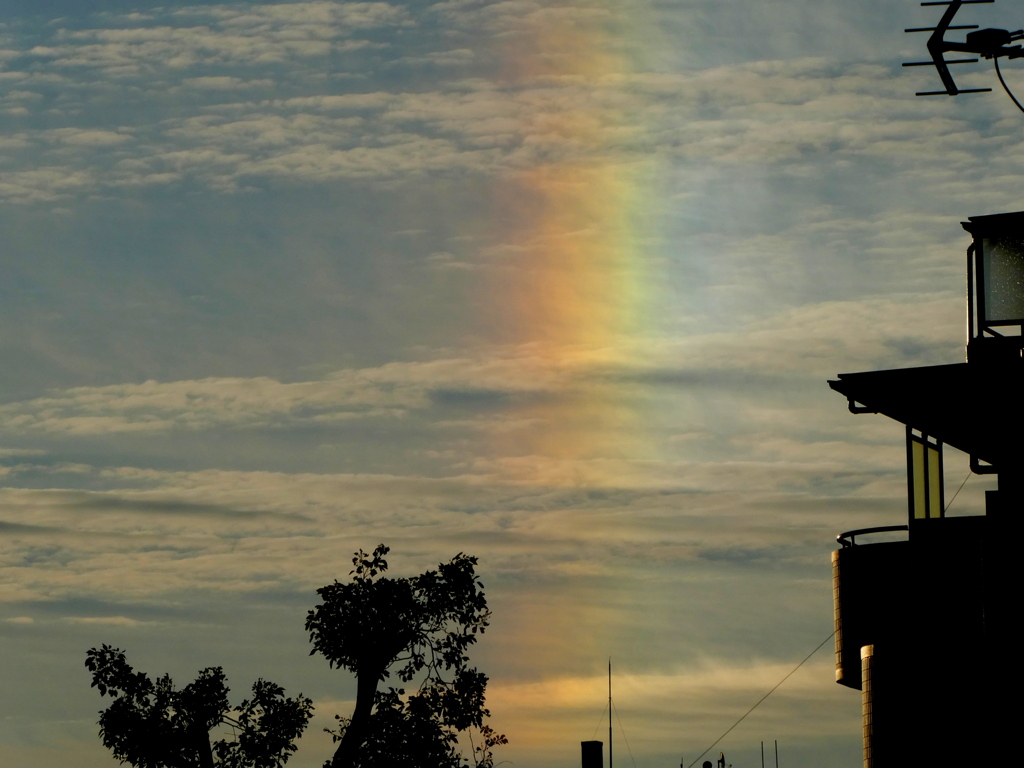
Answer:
(151, 725)
(426, 622)
(417, 627)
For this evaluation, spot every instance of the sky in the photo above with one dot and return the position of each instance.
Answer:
(555, 284)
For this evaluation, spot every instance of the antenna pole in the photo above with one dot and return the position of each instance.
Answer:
(609, 712)
(776, 753)
(762, 754)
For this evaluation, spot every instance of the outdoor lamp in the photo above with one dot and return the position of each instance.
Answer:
(995, 285)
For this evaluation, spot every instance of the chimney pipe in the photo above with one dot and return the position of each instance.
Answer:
(593, 754)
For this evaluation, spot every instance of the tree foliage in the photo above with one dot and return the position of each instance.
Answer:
(151, 725)
(407, 733)
(418, 627)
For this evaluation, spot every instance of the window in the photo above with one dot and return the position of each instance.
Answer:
(924, 476)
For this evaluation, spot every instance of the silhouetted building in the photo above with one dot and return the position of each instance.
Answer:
(923, 625)
(593, 754)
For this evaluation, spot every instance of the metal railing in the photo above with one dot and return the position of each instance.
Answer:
(848, 539)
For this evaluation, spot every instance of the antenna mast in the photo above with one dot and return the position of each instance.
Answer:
(609, 712)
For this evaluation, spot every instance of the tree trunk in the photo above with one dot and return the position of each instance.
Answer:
(201, 738)
(355, 735)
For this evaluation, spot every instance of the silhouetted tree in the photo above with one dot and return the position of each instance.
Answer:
(151, 725)
(421, 625)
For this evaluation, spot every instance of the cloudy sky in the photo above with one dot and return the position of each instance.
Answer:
(557, 283)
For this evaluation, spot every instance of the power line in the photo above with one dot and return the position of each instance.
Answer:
(763, 698)
(958, 490)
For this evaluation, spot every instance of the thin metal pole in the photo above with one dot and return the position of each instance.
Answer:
(762, 754)
(776, 753)
(609, 712)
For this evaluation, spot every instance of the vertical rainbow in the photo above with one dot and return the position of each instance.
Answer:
(570, 283)
(571, 224)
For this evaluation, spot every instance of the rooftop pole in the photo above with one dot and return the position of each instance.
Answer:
(609, 712)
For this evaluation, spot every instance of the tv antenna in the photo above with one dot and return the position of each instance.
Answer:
(987, 43)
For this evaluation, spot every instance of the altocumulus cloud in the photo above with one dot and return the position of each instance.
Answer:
(183, 182)
(747, 114)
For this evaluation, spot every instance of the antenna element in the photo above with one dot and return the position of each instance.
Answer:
(987, 43)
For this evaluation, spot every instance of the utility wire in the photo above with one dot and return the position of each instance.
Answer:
(763, 698)
(1003, 82)
(961, 485)
(616, 709)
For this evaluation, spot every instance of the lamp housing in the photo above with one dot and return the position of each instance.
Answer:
(995, 285)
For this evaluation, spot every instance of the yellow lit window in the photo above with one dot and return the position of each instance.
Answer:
(924, 476)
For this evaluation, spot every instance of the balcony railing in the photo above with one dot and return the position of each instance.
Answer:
(848, 539)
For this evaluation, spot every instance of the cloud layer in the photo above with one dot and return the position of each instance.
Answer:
(283, 280)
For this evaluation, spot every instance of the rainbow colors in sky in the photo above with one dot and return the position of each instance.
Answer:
(571, 225)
